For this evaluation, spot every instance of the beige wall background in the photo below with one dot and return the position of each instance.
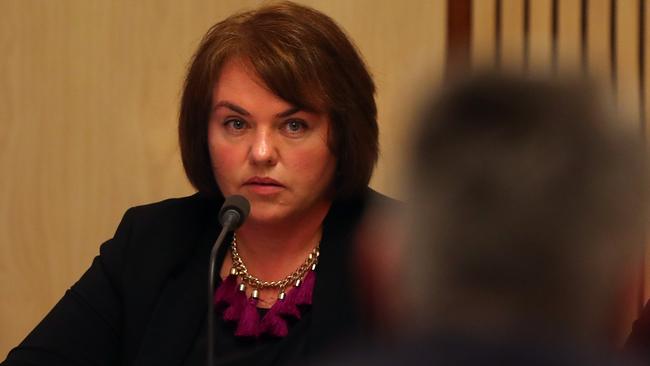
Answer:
(89, 95)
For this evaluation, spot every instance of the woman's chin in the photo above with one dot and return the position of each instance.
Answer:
(264, 215)
(281, 210)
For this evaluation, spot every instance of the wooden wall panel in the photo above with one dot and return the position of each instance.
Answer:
(598, 45)
(512, 35)
(89, 95)
(500, 41)
(540, 37)
(569, 46)
(627, 60)
(483, 34)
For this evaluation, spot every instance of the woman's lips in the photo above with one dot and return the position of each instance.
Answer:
(263, 185)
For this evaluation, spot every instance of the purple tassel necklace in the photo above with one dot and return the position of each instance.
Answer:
(295, 290)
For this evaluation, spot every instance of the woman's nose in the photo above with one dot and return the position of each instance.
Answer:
(263, 149)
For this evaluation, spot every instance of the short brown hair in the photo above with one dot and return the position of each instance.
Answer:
(305, 59)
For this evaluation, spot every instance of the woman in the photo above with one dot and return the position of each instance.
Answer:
(278, 107)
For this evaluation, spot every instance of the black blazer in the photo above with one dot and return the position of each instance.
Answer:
(143, 299)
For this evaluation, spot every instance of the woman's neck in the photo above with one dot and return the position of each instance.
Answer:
(273, 250)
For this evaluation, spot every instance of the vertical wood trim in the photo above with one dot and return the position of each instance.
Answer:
(526, 35)
(641, 66)
(459, 28)
(642, 126)
(554, 35)
(613, 49)
(646, 101)
(584, 31)
(498, 38)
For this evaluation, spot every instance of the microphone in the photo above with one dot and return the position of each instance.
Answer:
(233, 213)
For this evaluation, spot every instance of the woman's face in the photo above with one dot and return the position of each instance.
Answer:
(266, 149)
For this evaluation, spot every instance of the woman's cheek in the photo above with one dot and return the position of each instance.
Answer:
(316, 163)
(225, 166)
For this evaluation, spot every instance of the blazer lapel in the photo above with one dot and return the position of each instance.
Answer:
(335, 308)
(180, 310)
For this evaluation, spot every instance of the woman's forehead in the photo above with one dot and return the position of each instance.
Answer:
(239, 89)
(240, 74)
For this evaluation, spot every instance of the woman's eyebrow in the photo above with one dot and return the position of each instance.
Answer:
(231, 106)
(234, 107)
(288, 112)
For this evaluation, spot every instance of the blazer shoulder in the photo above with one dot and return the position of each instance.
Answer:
(166, 226)
(380, 200)
(172, 205)
(172, 212)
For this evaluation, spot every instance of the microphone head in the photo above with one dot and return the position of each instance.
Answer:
(234, 211)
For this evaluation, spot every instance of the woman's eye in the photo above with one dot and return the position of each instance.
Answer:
(295, 126)
(235, 124)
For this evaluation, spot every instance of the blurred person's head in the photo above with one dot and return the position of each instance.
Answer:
(528, 203)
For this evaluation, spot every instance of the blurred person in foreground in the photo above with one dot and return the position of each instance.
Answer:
(525, 223)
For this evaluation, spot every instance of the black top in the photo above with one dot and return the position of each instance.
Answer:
(143, 299)
(266, 350)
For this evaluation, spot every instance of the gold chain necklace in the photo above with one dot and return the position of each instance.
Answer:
(239, 269)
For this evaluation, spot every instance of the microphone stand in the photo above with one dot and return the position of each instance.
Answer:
(229, 224)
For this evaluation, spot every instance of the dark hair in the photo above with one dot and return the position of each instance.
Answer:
(305, 59)
(530, 195)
